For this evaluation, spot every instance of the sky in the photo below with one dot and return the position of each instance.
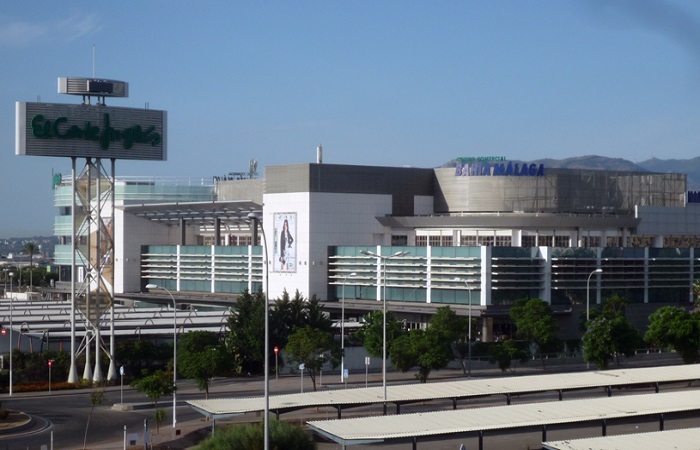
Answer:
(388, 83)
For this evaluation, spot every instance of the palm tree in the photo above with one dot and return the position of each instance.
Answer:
(30, 247)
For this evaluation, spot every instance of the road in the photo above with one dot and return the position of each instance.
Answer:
(64, 415)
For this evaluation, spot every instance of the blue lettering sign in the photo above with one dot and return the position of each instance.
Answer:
(485, 169)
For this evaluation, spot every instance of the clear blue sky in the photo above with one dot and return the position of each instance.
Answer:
(376, 82)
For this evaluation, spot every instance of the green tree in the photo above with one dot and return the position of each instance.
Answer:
(283, 435)
(313, 347)
(201, 356)
(610, 334)
(316, 317)
(290, 314)
(455, 330)
(245, 340)
(534, 323)
(31, 367)
(420, 348)
(371, 334)
(157, 385)
(429, 349)
(505, 352)
(598, 344)
(142, 356)
(96, 399)
(676, 328)
(612, 307)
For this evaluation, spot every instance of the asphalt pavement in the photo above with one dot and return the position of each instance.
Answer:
(62, 417)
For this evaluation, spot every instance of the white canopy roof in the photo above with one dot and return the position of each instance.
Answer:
(450, 390)
(378, 428)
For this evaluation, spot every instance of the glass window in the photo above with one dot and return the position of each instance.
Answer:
(503, 241)
(401, 240)
(468, 241)
(486, 241)
(561, 241)
(529, 241)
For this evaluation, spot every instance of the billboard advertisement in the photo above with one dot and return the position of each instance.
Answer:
(285, 255)
(90, 131)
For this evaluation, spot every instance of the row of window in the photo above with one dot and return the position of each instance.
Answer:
(549, 241)
(465, 241)
(502, 241)
(234, 240)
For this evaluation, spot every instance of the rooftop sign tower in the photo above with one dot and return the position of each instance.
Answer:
(96, 133)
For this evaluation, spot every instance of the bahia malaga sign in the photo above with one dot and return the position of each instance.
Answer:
(495, 166)
(90, 131)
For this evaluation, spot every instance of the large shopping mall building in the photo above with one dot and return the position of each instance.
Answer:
(475, 236)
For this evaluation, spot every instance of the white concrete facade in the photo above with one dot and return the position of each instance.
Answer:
(322, 219)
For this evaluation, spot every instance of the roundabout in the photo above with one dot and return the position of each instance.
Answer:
(18, 424)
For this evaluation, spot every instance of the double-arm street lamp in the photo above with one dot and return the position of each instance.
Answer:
(342, 331)
(588, 300)
(384, 260)
(155, 286)
(256, 217)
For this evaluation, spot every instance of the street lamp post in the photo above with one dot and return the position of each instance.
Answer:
(12, 275)
(155, 286)
(383, 260)
(469, 333)
(256, 216)
(342, 331)
(588, 303)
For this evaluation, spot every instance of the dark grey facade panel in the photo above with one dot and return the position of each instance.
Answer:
(402, 183)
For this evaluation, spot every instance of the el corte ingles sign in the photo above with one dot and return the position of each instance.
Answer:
(87, 131)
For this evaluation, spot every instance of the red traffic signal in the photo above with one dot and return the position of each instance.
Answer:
(50, 361)
(277, 349)
(4, 331)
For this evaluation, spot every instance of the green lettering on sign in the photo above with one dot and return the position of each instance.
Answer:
(59, 128)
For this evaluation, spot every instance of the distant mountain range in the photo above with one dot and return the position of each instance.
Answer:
(690, 167)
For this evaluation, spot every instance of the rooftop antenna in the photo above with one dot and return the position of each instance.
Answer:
(93, 60)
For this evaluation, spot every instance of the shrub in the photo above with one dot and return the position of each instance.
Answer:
(44, 386)
(283, 435)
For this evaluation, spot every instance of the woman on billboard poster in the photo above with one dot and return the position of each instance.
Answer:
(285, 255)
